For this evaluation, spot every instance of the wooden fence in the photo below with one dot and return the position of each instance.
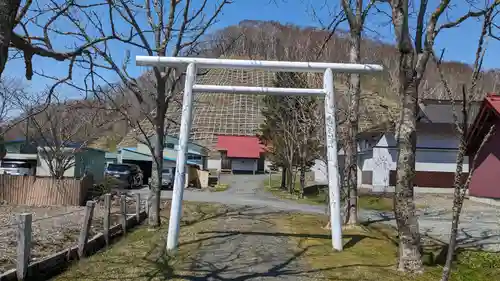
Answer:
(36, 191)
(52, 265)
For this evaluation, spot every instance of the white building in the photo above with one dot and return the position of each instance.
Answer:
(437, 147)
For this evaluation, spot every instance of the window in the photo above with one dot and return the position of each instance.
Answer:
(118, 167)
(6, 164)
(194, 157)
(170, 145)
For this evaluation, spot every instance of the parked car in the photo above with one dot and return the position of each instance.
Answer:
(167, 178)
(129, 174)
(16, 168)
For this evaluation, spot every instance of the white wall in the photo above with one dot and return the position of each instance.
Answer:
(213, 164)
(320, 172)
(168, 164)
(142, 148)
(43, 170)
(384, 160)
(433, 154)
(438, 161)
(267, 165)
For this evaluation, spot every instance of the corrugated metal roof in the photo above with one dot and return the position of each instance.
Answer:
(488, 112)
(150, 157)
(240, 146)
(441, 111)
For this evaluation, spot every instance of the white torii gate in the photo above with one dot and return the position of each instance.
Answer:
(190, 87)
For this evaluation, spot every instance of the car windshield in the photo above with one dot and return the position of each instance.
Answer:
(15, 165)
(118, 168)
(167, 171)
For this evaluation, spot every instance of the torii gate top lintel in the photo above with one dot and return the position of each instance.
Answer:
(285, 66)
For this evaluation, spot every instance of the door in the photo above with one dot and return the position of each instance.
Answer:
(261, 163)
(225, 161)
(246, 165)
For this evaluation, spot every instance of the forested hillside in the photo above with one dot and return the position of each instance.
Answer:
(257, 40)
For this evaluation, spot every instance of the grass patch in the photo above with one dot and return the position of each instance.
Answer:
(220, 187)
(370, 254)
(316, 195)
(140, 255)
(312, 195)
(319, 199)
(375, 202)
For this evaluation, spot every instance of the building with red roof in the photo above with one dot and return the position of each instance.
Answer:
(486, 171)
(243, 154)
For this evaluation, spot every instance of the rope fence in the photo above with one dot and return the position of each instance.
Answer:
(106, 221)
(42, 218)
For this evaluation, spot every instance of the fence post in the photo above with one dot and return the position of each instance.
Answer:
(123, 213)
(23, 244)
(138, 207)
(84, 232)
(107, 217)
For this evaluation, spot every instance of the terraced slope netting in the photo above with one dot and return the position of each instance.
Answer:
(240, 114)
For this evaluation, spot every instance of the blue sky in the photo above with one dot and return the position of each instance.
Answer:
(460, 43)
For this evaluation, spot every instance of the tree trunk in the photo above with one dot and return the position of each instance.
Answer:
(290, 180)
(283, 177)
(156, 176)
(458, 200)
(404, 207)
(302, 181)
(351, 151)
(159, 124)
(8, 12)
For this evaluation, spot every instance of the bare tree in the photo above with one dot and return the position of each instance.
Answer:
(356, 18)
(470, 93)
(63, 129)
(9, 88)
(308, 139)
(11, 110)
(413, 57)
(8, 12)
(280, 130)
(29, 29)
(154, 28)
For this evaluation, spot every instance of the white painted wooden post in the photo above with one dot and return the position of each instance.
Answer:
(180, 167)
(332, 155)
(23, 245)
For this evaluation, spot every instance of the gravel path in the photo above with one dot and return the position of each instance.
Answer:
(479, 223)
(479, 227)
(245, 190)
(246, 247)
